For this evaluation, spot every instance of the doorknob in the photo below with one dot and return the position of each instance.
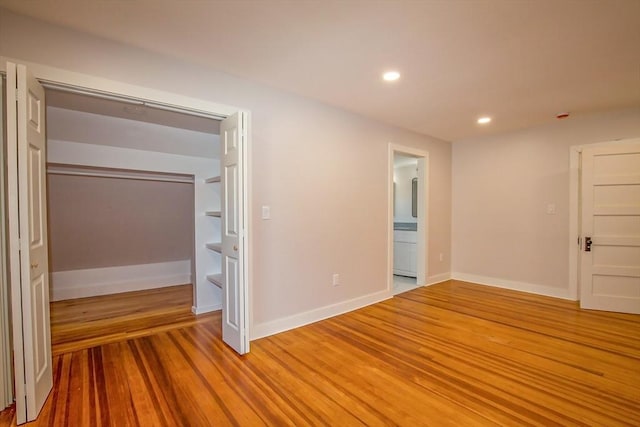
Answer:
(587, 244)
(34, 265)
(235, 248)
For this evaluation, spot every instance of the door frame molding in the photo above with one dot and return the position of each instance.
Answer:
(575, 220)
(6, 363)
(422, 250)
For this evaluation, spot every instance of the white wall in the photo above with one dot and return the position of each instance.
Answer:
(322, 170)
(402, 178)
(502, 186)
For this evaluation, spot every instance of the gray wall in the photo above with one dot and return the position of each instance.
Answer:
(97, 222)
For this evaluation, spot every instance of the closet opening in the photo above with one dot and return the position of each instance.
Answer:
(122, 213)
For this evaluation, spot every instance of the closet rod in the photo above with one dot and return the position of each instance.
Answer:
(182, 180)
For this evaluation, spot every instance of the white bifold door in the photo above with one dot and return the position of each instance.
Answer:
(610, 258)
(234, 290)
(28, 253)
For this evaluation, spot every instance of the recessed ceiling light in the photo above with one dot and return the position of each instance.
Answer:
(484, 120)
(391, 76)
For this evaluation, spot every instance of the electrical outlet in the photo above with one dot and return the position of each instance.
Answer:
(336, 279)
(441, 256)
(551, 209)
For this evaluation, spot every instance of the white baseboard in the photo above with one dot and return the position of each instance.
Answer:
(206, 309)
(437, 278)
(262, 330)
(531, 288)
(113, 280)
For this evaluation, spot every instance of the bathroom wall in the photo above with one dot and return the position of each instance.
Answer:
(402, 178)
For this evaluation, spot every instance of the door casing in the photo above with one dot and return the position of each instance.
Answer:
(422, 250)
(6, 365)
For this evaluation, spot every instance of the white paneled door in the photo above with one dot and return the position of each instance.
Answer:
(26, 182)
(234, 289)
(610, 258)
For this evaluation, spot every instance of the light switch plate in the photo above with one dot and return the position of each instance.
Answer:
(266, 212)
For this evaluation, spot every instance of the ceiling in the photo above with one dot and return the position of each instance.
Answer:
(520, 62)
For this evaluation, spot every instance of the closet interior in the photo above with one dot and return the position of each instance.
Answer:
(134, 216)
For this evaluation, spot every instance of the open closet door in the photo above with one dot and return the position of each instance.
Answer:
(26, 162)
(234, 290)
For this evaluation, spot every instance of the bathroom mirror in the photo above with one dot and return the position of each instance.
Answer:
(414, 197)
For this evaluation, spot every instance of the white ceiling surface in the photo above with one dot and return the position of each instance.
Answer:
(520, 62)
(90, 128)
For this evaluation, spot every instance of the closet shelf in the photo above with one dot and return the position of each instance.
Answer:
(216, 247)
(213, 213)
(212, 179)
(216, 279)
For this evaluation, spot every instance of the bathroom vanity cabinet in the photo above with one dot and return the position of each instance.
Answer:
(404, 252)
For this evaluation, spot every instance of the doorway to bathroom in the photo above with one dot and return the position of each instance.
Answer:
(408, 222)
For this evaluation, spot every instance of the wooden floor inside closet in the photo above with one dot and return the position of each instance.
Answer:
(88, 322)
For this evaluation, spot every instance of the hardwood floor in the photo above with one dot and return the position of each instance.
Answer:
(88, 322)
(453, 354)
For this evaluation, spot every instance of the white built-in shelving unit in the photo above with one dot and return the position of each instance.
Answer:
(215, 247)
(216, 279)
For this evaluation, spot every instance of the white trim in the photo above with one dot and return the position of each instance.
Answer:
(437, 278)
(14, 247)
(575, 152)
(206, 309)
(574, 221)
(531, 288)
(6, 374)
(262, 330)
(248, 247)
(80, 81)
(112, 280)
(422, 244)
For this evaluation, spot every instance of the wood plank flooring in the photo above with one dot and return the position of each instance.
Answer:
(87, 322)
(453, 354)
